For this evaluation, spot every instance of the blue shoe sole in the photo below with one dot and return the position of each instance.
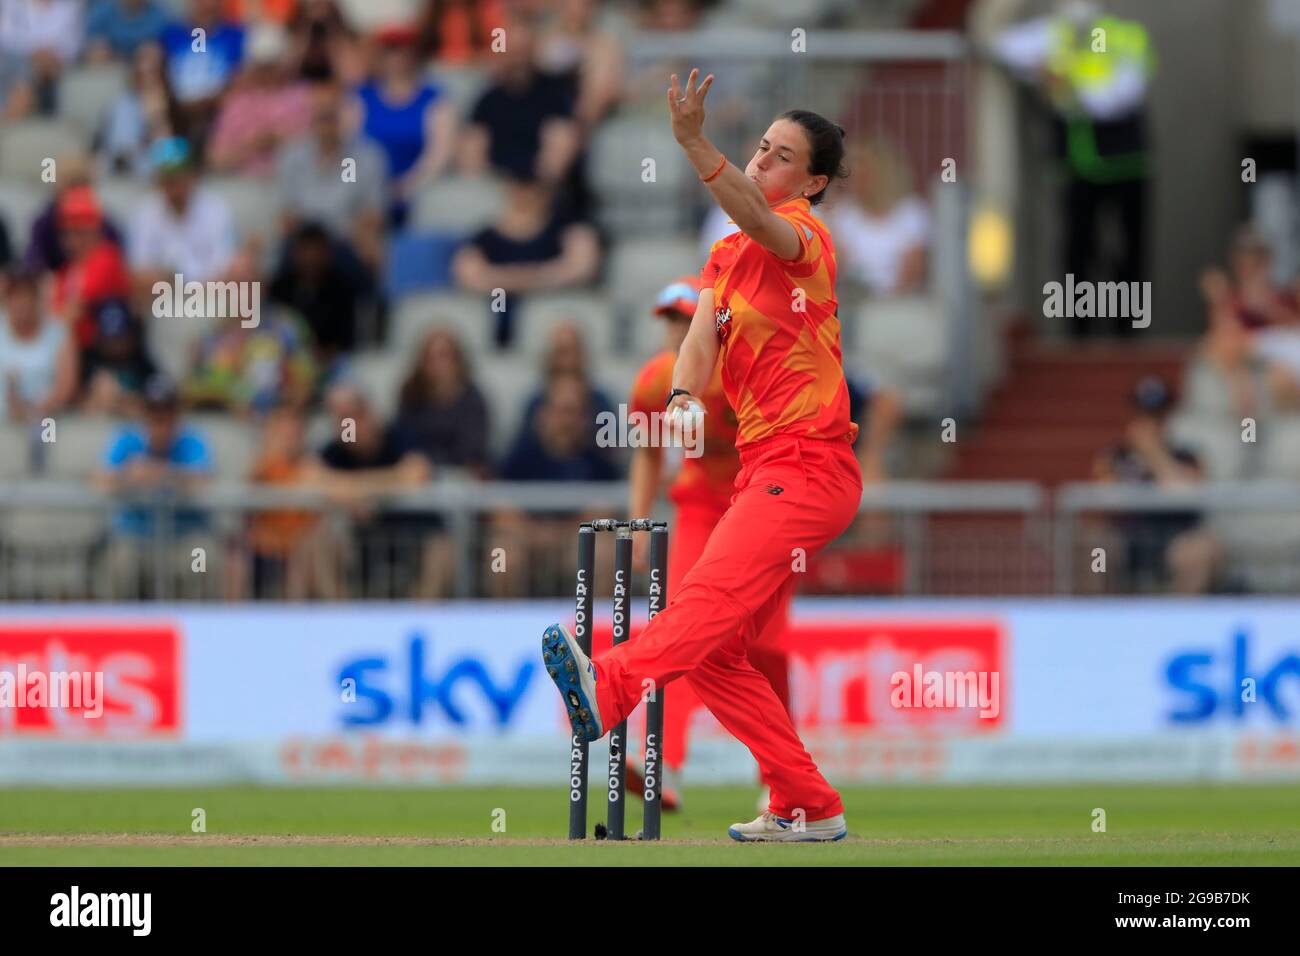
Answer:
(563, 669)
(741, 838)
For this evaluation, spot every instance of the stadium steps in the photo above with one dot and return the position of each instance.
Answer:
(1057, 408)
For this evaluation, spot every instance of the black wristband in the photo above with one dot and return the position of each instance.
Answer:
(673, 394)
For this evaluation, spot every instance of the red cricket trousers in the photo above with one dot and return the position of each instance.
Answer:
(692, 524)
(794, 495)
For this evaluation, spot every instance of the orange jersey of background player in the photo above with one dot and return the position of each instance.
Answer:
(710, 476)
(780, 333)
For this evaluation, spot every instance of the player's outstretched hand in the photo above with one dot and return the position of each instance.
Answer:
(686, 106)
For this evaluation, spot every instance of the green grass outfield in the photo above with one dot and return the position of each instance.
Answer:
(985, 826)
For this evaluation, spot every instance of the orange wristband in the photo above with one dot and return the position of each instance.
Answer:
(714, 175)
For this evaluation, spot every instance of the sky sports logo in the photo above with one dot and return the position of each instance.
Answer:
(1232, 682)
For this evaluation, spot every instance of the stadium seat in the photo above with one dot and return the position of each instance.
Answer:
(87, 92)
(1260, 548)
(253, 206)
(418, 261)
(615, 164)
(14, 460)
(20, 205)
(464, 86)
(1280, 448)
(458, 204)
(121, 196)
(541, 313)
(507, 382)
(1205, 391)
(465, 313)
(26, 144)
(380, 375)
(232, 443)
(79, 445)
(1222, 452)
(172, 341)
(902, 341)
(639, 268)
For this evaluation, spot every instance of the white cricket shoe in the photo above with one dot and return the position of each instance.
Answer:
(769, 828)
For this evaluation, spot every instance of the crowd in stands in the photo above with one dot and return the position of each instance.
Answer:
(341, 110)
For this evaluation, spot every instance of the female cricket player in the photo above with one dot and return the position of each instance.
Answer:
(767, 310)
(701, 493)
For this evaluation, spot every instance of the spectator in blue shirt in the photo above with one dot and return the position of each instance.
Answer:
(559, 444)
(199, 76)
(158, 455)
(158, 459)
(116, 28)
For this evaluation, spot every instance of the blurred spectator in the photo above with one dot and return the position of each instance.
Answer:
(249, 371)
(442, 413)
(323, 47)
(146, 111)
(458, 32)
(200, 74)
(265, 108)
(312, 189)
(158, 458)
(878, 410)
(294, 558)
(45, 248)
(587, 59)
(38, 38)
(559, 443)
(6, 249)
(1169, 548)
(180, 227)
(1248, 317)
(566, 357)
(277, 12)
(314, 282)
(117, 29)
(38, 358)
(408, 117)
(368, 460)
(882, 228)
(115, 366)
(95, 269)
(523, 124)
(533, 246)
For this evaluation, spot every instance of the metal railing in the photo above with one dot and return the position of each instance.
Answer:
(461, 538)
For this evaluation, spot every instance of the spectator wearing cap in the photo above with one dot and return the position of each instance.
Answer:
(523, 125)
(1167, 548)
(180, 227)
(266, 108)
(45, 250)
(199, 76)
(115, 366)
(116, 29)
(95, 269)
(157, 459)
(533, 246)
(143, 113)
(410, 119)
(38, 39)
(38, 358)
(312, 190)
